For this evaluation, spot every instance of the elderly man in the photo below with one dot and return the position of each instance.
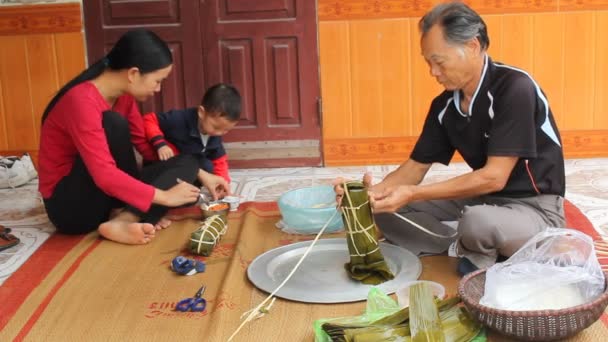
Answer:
(499, 120)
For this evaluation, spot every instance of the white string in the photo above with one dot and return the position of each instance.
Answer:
(258, 311)
(351, 211)
(424, 229)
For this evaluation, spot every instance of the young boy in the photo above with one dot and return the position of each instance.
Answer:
(198, 131)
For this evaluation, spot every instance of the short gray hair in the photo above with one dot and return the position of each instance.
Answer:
(459, 22)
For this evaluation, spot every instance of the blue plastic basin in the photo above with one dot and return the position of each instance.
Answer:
(306, 210)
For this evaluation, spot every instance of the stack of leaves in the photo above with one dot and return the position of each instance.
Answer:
(425, 320)
(204, 239)
(366, 261)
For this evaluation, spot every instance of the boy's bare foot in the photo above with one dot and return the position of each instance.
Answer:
(130, 233)
(162, 224)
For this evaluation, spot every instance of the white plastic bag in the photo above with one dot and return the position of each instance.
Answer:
(556, 269)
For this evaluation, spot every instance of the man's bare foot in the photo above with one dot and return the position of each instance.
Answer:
(130, 233)
(162, 224)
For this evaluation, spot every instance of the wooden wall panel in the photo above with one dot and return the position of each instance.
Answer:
(392, 107)
(366, 83)
(579, 59)
(560, 49)
(69, 49)
(495, 28)
(3, 139)
(379, 69)
(42, 77)
(335, 79)
(549, 70)
(517, 42)
(600, 70)
(382, 9)
(40, 52)
(424, 86)
(16, 93)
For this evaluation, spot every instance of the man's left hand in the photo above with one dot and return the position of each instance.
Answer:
(391, 199)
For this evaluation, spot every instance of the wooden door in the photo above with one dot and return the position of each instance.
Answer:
(268, 50)
(175, 21)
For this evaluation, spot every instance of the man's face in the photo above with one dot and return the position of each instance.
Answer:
(452, 66)
(213, 124)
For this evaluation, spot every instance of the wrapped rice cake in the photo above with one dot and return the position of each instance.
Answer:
(204, 239)
(367, 263)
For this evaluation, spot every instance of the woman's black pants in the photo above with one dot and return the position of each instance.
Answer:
(78, 206)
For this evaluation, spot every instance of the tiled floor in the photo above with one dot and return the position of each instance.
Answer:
(21, 208)
(587, 182)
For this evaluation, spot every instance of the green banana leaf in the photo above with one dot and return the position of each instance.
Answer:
(425, 324)
(367, 264)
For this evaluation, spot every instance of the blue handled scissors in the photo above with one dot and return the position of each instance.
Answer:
(196, 303)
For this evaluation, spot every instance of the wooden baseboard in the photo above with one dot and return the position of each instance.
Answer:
(381, 151)
(395, 150)
(40, 18)
(585, 144)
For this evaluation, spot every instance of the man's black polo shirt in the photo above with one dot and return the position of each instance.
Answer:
(509, 115)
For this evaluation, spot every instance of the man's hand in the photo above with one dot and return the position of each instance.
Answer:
(339, 189)
(165, 153)
(391, 199)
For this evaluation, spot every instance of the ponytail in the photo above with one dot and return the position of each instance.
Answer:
(137, 48)
(88, 74)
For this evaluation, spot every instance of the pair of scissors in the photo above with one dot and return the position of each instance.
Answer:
(196, 303)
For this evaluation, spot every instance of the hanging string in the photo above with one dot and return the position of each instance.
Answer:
(260, 310)
(364, 230)
(424, 229)
(349, 213)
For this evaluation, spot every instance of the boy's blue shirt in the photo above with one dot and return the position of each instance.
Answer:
(180, 127)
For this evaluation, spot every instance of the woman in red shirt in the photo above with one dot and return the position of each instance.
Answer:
(87, 165)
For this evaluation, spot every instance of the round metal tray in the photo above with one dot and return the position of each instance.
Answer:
(321, 278)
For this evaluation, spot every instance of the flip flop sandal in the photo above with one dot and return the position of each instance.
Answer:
(7, 240)
(4, 229)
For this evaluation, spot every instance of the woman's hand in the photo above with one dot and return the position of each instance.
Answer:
(181, 193)
(217, 185)
(165, 153)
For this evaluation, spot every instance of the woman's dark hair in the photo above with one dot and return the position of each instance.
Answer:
(459, 23)
(223, 98)
(138, 48)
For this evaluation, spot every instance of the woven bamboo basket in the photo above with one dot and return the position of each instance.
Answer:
(540, 325)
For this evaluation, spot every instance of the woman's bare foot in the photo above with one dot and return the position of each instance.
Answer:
(115, 212)
(162, 224)
(130, 233)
